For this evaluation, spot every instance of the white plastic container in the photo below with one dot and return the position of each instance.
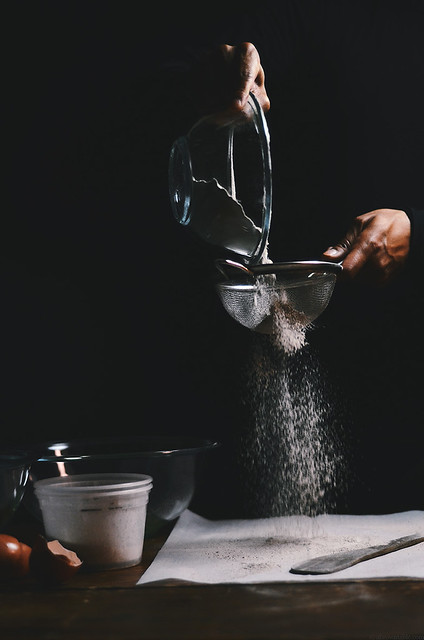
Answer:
(101, 517)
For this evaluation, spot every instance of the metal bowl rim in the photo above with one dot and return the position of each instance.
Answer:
(134, 451)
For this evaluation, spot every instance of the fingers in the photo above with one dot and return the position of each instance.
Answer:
(223, 79)
(248, 74)
(339, 251)
(375, 248)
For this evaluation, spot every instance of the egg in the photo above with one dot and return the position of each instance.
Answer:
(51, 563)
(14, 558)
(47, 562)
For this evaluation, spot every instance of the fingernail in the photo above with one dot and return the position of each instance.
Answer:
(331, 251)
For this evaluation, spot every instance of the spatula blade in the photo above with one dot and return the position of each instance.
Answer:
(344, 559)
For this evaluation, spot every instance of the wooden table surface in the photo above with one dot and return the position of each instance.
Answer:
(107, 604)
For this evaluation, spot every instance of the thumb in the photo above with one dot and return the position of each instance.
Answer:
(337, 251)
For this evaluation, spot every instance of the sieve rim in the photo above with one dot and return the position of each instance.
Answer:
(312, 266)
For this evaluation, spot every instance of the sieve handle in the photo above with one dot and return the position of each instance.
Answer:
(224, 264)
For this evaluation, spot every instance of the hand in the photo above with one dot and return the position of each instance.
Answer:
(225, 76)
(375, 248)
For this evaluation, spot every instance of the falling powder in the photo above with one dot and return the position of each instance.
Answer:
(288, 328)
(291, 452)
(290, 455)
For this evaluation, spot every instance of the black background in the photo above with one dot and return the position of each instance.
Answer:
(109, 324)
(89, 313)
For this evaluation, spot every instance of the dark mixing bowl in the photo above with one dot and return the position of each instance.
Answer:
(171, 461)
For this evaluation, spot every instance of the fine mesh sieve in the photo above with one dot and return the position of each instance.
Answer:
(264, 296)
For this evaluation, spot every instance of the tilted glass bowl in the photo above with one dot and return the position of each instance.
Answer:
(220, 182)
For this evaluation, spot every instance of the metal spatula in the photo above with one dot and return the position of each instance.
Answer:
(338, 561)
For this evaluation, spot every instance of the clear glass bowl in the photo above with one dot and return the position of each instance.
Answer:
(220, 182)
(14, 472)
(170, 460)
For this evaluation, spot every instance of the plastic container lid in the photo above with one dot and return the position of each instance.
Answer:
(99, 483)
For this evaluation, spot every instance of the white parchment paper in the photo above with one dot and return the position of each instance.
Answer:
(264, 550)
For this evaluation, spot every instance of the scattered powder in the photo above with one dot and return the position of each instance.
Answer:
(258, 555)
(290, 453)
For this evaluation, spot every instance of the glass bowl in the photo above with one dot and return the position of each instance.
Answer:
(14, 472)
(170, 460)
(220, 182)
